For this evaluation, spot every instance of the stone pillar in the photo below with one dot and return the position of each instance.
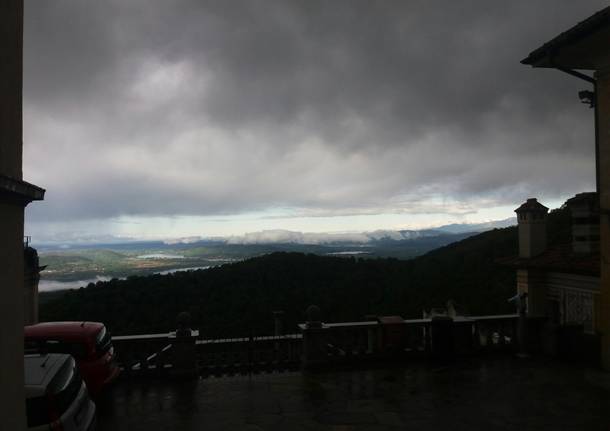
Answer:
(374, 338)
(313, 339)
(278, 316)
(603, 117)
(441, 330)
(531, 282)
(12, 395)
(184, 348)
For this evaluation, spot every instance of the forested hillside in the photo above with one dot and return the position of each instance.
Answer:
(237, 298)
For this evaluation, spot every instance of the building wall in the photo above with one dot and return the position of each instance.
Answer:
(603, 113)
(11, 71)
(564, 298)
(572, 281)
(576, 298)
(12, 410)
(12, 396)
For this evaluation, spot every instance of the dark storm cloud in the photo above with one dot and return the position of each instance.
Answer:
(190, 107)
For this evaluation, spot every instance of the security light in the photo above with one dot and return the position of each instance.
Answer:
(587, 97)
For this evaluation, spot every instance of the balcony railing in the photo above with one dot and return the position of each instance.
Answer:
(248, 355)
(358, 342)
(321, 344)
(156, 353)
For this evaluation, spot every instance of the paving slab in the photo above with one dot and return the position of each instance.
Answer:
(492, 394)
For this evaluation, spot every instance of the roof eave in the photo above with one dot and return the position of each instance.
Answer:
(19, 191)
(545, 55)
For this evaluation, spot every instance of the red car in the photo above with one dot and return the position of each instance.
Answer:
(88, 342)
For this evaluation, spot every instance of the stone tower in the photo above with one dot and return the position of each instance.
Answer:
(531, 217)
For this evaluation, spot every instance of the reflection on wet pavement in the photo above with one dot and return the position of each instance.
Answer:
(497, 394)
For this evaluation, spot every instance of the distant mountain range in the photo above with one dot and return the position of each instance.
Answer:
(280, 236)
(478, 227)
(81, 263)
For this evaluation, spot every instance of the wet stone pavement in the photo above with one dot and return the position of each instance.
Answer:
(496, 394)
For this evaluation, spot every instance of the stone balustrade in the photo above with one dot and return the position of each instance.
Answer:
(321, 344)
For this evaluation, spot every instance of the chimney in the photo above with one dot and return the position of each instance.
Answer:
(532, 228)
(584, 208)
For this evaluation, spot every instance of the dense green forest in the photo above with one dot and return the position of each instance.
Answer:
(239, 298)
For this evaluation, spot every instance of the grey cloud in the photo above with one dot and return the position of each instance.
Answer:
(188, 107)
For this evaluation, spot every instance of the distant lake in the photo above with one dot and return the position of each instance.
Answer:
(160, 256)
(51, 285)
(347, 253)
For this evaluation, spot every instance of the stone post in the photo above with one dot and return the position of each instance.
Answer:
(277, 331)
(184, 353)
(278, 316)
(313, 339)
(373, 335)
(441, 331)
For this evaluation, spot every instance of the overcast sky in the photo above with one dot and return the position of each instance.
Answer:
(175, 118)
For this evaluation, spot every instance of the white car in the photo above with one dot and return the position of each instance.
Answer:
(56, 396)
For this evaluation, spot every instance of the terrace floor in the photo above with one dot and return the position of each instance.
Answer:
(492, 394)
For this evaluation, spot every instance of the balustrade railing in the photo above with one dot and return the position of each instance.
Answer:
(354, 342)
(248, 355)
(320, 344)
(143, 353)
(155, 353)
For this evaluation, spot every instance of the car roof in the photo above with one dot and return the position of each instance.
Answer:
(39, 370)
(63, 330)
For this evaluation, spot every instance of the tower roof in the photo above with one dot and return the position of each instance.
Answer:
(531, 205)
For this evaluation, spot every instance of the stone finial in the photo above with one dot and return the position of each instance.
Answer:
(183, 320)
(314, 319)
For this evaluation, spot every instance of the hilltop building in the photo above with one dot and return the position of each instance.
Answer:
(586, 47)
(562, 281)
(15, 194)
